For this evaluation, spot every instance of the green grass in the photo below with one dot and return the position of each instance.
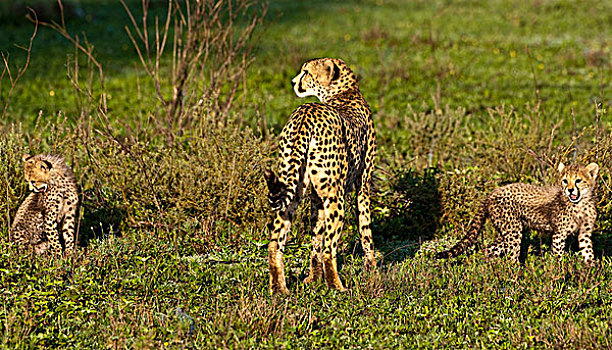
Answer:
(466, 96)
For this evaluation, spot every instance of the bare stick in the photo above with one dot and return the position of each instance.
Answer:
(533, 73)
(21, 70)
(574, 136)
(88, 51)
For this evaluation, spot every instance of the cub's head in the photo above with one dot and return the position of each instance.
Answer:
(36, 172)
(324, 78)
(578, 182)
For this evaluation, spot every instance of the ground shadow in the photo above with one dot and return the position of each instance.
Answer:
(100, 219)
(406, 213)
(538, 244)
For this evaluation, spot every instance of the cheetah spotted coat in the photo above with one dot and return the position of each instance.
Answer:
(330, 146)
(50, 209)
(566, 208)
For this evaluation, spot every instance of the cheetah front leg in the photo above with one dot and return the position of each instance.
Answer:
(51, 229)
(558, 240)
(584, 241)
(363, 207)
(68, 225)
(317, 218)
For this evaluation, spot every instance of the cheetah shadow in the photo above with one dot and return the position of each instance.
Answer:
(99, 219)
(539, 244)
(406, 213)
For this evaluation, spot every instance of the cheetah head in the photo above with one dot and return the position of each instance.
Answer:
(324, 78)
(577, 181)
(36, 172)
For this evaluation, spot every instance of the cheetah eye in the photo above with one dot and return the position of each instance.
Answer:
(578, 181)
(564, 181)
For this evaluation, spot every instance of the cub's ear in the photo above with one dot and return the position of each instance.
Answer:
(561, 167)
(592, 169)
(26, 157)
(47, 165)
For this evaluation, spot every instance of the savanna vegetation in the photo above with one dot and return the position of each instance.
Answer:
(168, 111)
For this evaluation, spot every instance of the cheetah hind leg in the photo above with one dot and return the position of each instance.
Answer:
(317, 218)
(508, 239)
(514, 236)
(41, 248)
(279, 228)
(334, 218)
(497, 248)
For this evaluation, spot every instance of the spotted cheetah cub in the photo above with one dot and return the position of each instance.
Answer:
(50, 208)
(329, 146)
(563, 209)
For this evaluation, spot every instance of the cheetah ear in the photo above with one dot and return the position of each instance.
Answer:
(335, 72)
(592, 169)
(26, 157)
(561, 167)
(47, 165)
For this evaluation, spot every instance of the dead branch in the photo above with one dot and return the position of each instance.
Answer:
(20, 70)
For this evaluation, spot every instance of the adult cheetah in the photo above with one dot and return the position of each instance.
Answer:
(50, 208)
(330, 145)
(563, 209)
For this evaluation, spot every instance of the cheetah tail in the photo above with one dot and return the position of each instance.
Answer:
(276, 189)
(470, 238)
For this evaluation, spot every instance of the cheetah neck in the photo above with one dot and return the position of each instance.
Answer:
(350, 99)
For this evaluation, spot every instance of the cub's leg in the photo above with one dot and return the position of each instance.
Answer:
(584, 241)
(498, 247)
(51, 227)
(317, 218)
(514, 235)
(558, 240)
(509, 233)
(38, 239)
(68, 225)
(27, 220)
(20, 236)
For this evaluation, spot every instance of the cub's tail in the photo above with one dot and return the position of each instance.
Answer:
(470, 237)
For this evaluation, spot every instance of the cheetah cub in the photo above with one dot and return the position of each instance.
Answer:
(563, 209)
(50, 208)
